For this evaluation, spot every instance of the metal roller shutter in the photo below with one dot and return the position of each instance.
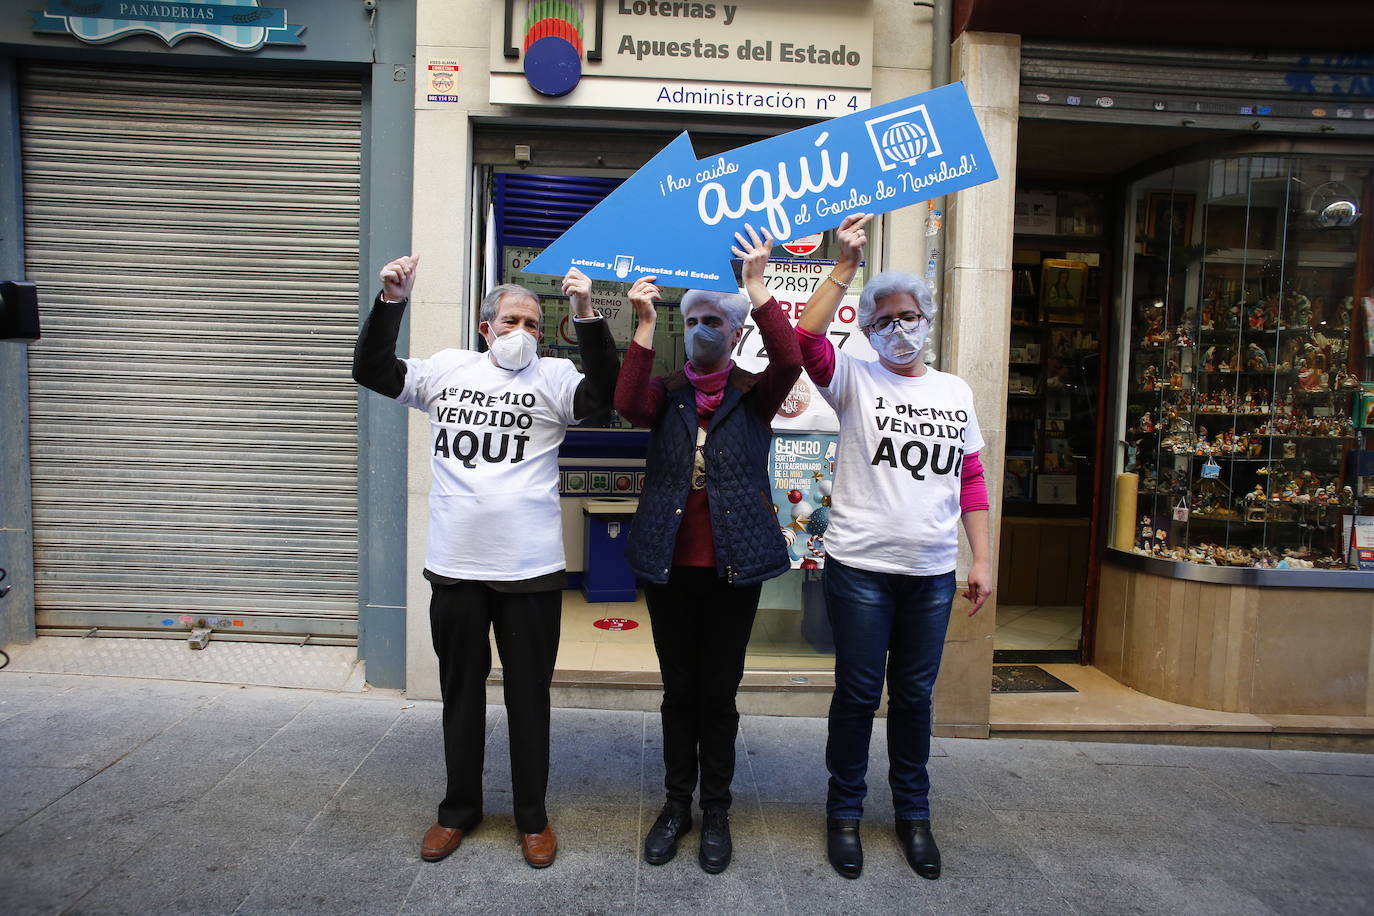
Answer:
(194, 236)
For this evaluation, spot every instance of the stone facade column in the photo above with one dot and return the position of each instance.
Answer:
(975, 328)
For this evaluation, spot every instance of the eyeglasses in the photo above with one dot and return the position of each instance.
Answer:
(907, 322)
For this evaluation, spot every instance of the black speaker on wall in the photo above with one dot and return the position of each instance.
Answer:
(19, 312)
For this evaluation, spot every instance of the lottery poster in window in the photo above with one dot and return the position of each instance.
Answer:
(802, 470)
(609, 298)
(792, 281)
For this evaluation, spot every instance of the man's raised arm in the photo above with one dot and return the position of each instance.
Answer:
(375, 365)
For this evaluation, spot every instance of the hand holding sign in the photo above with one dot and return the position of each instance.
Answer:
(754, 252)
(577, 286)
(852, 238)
(673, 216)
(642, 295)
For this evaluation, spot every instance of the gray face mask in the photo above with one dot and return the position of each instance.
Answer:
(706, 345)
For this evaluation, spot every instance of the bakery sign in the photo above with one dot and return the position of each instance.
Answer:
(242, 25)
(805, 58)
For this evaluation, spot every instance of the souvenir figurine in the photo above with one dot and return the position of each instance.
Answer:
(1208, 316)
(1302, 311)
(1209, 360)
(1256, 319)
(1149, 379)
(1157, 335)
(1256, 358)
(1307, 378)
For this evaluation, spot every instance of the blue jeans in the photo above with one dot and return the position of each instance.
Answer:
(884, 623)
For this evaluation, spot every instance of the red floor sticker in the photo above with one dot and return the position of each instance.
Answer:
(615, 623)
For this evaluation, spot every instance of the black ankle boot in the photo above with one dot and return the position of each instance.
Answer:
(918, 844)
(716, 847)
(843, 847)
(660, 845)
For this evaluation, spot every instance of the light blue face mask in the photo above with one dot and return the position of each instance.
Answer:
(706, 345)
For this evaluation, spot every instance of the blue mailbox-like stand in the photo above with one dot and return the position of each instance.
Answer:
(606, 575)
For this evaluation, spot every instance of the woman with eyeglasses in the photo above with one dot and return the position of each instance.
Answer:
(907, 473)
(706, 533)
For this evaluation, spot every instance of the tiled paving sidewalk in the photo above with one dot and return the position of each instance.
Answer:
(124, 795)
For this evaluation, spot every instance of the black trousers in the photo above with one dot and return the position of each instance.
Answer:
(527, 627)
(701, 628)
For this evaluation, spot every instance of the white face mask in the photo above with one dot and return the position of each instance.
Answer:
(514, 349)
(901, 348)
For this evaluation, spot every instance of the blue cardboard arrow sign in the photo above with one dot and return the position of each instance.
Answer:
(676, 217)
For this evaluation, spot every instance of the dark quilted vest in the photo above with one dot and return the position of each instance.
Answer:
(749, 544)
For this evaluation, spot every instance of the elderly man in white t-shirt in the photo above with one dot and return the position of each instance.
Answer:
(494, 557)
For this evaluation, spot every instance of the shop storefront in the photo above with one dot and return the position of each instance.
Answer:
(1241, 514)
(539, 155)
(1188, 359)
(195, 190)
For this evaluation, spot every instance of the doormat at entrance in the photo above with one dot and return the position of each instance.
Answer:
(1026, 679)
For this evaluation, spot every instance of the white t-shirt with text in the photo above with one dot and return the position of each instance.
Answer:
(494, 436)
(895, 502)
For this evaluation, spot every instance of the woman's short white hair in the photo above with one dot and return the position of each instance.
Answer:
(733, 306)
(889, 283)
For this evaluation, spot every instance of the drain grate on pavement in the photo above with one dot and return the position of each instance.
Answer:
(1026, 679)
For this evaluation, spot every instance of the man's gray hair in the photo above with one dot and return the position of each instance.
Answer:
(891, 282)
(734, 306)
(491, 302)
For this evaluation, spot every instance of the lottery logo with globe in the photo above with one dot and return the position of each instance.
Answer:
(904, 142)
(903, 138)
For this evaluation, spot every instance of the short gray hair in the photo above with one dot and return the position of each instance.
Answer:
(889, 283)
(491, 302)
(733, 306)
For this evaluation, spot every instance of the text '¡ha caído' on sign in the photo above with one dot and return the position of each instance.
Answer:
(758, 192)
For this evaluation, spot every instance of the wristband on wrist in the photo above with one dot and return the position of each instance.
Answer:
(831, 278)
(392, 301)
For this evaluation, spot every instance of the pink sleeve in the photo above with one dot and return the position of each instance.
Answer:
(818, 356)
(973, 494)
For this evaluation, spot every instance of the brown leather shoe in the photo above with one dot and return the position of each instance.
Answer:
(539, 848)
(440, 841)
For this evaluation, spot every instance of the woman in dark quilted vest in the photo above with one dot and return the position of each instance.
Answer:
(706, 535)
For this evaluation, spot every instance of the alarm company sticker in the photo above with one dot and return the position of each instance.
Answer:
(443, 81)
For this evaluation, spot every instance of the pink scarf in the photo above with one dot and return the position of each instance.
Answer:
(710, 388)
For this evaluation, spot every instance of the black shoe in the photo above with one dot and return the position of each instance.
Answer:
(918, 843)
(843, 847)
(716, 848)
(660, 845)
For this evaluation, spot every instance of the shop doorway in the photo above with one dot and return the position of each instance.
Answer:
(1061, 274)
(606, 624)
